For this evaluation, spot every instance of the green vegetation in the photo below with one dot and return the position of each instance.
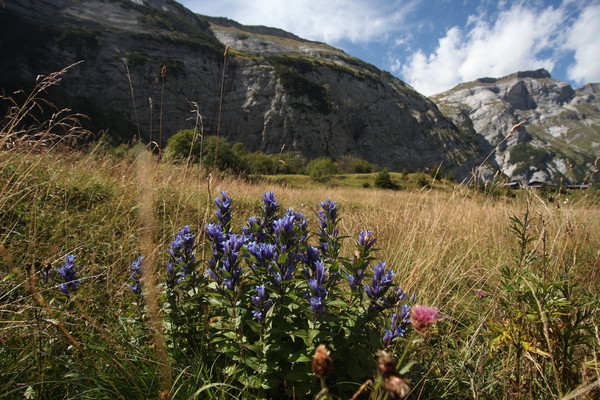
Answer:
(182, 30)
(291, 72)
(135, 58)
(188, 145)
(117, 280)
(321, 169)
(354, 165)
(529, 157)
(384, 180)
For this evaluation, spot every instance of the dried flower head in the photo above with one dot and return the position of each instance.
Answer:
(397, 386)
(386, 365)
(322, 364)
(422, 317)
(394, 383)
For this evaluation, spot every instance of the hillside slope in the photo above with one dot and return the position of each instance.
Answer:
(278, 89)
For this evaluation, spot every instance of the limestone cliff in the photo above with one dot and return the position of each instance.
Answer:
(278, 89)
(560, 139)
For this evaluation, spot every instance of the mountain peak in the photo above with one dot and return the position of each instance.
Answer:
(541, 73)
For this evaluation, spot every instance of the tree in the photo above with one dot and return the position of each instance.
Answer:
(187, 144)
(321, 169)
(354, 165)
(383, 180)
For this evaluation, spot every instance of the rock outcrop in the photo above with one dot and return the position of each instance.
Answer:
(278, 89)
(560, 137)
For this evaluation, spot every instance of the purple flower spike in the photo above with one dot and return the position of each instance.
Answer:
(261, 303)
(270, 205)
(135, 275)
(223, 212)
(366, 239)
(67, 272)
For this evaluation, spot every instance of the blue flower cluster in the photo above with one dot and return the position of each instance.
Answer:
(223, 212)
(398, 326)
(67, 273)
(182, 263)
(362, 258)
(274, 247)
(328, 233)
(261, 304)
(316, 283)
(135, 275)
(377, 291)
(231, 270)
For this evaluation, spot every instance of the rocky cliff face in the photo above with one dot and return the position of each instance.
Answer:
(278, 89)
(560, 137)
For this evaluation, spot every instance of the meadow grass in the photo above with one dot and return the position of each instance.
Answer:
(514, 278)
(443, 245)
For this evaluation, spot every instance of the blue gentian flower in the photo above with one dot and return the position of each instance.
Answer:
(398, 326)
(261, 303)
(366, 240)
(223, 212)
(135, 275)
(182, 260)
(270, 205)
(67, 272)
(380, 283)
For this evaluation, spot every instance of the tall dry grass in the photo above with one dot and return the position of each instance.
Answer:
(107, 210)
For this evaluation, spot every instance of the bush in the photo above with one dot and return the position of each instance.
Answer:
(383, 180)
(321, 169)
(354, 165)
(188, 144)
(259, 163)
(290, 163)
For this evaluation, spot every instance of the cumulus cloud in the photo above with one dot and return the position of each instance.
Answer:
(583, 40)
(518, 38)
(331, 21)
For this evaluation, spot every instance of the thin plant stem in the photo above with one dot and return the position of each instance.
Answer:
(220, 108)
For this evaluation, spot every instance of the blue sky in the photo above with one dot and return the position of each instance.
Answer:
(435, 44)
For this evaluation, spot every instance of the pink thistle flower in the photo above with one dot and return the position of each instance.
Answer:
(422, 317)
(480, 293)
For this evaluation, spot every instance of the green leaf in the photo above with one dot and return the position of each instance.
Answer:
(300, 357)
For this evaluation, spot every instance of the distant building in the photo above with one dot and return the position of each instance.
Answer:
(540, 185)
(513, 185)
(582, 186)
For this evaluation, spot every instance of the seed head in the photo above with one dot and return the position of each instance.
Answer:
(397, 386)
(322, 364)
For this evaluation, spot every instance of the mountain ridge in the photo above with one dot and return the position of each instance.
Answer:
(560, 137)
(278, 88)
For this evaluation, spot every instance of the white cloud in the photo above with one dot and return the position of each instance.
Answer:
(515, 40)
(583, 38)
(330, 21)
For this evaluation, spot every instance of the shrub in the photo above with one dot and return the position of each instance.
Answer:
(354, 165)
(321, 169)
(188, 144)
(290, 163)
(383, 180)
(259, 163)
